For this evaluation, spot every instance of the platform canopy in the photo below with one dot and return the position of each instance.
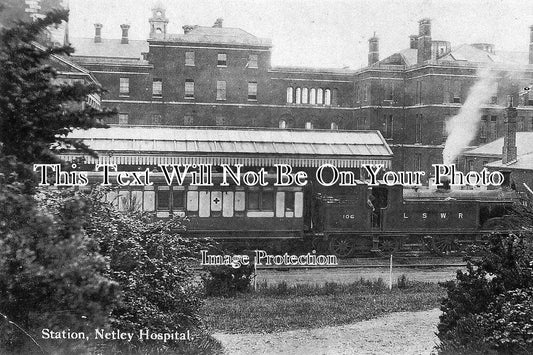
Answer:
(147, 145)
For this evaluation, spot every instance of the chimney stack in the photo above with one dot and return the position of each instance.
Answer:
(125, 29)
(98, 33)
(531, 44)
(187, 28)
(413, 41)
(509, 140)
(424, 40)
(373, 50)
(218, 22)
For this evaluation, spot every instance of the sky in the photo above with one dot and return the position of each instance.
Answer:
(327, 33)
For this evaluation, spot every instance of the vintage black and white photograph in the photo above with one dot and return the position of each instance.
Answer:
(266, 177)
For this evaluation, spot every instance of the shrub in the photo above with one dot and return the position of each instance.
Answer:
(228, 281)
(150, 261)
(489, 308)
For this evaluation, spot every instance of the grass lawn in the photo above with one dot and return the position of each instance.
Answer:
(285, 308)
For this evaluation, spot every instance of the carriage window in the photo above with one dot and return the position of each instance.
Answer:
(178, 200)
(163, 200)
(289, 201)
(267, 201)
(253, 200)
(261, 200)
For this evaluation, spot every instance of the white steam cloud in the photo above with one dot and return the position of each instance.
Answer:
(462, 128)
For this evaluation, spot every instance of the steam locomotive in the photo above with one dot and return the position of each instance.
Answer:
(345, 220)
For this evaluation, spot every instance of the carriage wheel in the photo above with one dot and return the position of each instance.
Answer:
(342, 246)
(445, 245)
(390, 245)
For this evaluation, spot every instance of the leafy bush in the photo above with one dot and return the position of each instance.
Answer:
(228, 281)
(151, 262)
(489, 308)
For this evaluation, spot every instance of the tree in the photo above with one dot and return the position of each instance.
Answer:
(51, 274)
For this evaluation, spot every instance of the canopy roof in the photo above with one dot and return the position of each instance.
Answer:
(148, 145)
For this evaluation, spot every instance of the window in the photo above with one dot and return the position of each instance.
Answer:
(219, 120)
(156, 119)
(163, 199)
(494, 100)
(419, 92)
(319, 96)
(493, 133)
(444, 128)
(290, 99)
(188, 120)
(178, 200)
(483, 128)
(167, 199)
(282, 124)
(335, 97)
(418, 129)
(389, 90)
(252, 91)
(418, 162)
(252, 61)
(298, 96)
(312, 96)
(334, 126)
(157, 88)
(189, 59)
(327, 97)
(261, 200)
(222, 60)
(189, 89)
(221, 90)
(305, 95)
(456, 92)
(289, 201)
(389, 126)
(308, 125)
(122, 118)
(124, 86)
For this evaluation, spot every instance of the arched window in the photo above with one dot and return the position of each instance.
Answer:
(308, 125)
(290, 95)
(334, 126)
(305, 95)
(319, 96)
(327, 97)
(335, 97)
(282, 124)
(298, 96)
(312, 96)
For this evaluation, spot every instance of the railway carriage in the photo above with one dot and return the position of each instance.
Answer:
(348, 220)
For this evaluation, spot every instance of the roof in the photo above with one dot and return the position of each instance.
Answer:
(523, 162)
(461, 53)
(111, 48)
(253, 147)
(494, 148)
(469, 53)
(218, 35)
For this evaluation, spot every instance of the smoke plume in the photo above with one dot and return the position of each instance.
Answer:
(462, 128)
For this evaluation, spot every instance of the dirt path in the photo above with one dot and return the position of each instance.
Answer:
(396, 333)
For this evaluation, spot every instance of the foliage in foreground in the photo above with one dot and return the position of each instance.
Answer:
(489, 308)
(281, 307)
(151, 262)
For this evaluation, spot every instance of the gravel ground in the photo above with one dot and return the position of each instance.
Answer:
(397, 333)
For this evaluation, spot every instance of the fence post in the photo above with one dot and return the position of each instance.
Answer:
(390, 273)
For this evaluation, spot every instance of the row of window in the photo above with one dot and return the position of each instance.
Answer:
(203, 203)
(312, 96)
(157, 89)
(222, 60)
